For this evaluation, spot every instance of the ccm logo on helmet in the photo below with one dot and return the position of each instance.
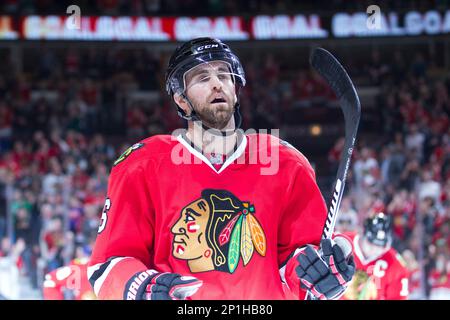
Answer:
(207, 46)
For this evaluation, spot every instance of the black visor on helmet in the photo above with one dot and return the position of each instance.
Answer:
(175, 80)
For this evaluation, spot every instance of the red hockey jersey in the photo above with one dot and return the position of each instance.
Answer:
(169, 209)
(380, 278)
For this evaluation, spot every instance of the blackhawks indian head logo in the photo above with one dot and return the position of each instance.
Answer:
(215, 231)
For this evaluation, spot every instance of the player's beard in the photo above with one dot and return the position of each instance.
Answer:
(216, 117)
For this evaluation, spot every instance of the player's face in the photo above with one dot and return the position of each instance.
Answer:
(211, 90)
(189, 231)
(372, 250)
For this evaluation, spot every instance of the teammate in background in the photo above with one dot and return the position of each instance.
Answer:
(381, 273)
(201, 215)
(69, 282)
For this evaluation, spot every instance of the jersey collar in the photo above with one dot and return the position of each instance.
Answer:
(239, 150)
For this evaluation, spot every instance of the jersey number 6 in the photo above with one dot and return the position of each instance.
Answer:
(106, 208)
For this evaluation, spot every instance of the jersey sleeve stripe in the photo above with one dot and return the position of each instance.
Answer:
(99, 276)
(95, 271)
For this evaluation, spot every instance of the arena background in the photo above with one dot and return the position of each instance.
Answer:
(80, 81)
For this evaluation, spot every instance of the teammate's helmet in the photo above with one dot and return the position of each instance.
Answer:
(377, 229)
(195, 52)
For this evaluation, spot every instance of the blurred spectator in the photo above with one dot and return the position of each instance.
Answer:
(377, 68)
(366, 169)
(136, 122)
(366, 174)
(6, 122)
(402, 211)
(53, 181)
(440, 279)
(52, 244)
(410, 175)
(414, 141)
(9, 267)
(347, 218)
(429, 188)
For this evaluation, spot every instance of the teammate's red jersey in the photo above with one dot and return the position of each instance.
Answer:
(169, 209)
(380, 278)
(68, 282)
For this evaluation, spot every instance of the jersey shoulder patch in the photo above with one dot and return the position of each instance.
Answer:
(127, 153)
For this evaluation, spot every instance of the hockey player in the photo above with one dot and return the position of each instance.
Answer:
(69, 282)
(381, 273)
(199, 215)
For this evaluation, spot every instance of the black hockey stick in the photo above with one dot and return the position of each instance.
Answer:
(336, 76)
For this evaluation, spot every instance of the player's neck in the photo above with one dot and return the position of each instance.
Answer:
(213, 141)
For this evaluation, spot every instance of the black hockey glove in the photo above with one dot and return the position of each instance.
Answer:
(152, 285)
(325, 271)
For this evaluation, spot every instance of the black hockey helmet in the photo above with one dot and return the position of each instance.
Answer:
(378, 229)
(193, 53)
